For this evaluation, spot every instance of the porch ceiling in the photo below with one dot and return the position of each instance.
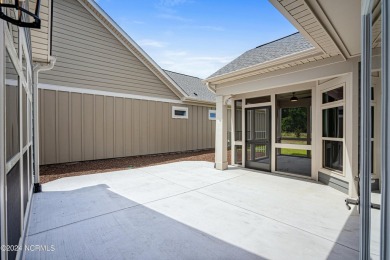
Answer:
(299, 94)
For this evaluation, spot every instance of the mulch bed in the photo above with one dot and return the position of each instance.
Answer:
(56, 171)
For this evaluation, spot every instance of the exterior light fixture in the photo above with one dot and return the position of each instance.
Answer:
(16, 12)
(294, 98)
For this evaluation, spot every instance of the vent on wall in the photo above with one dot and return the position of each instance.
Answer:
(180, 112)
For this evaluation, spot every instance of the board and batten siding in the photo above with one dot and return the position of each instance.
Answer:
(80, 127)
(89, 56)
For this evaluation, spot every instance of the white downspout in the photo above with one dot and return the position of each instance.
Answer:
(38, 67)
(209, 86)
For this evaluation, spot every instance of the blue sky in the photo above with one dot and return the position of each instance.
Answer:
(197, 37)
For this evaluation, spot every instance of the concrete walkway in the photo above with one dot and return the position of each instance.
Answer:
(189, 210)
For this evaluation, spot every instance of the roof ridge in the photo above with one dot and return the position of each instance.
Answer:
(183, 74)
(277, 40)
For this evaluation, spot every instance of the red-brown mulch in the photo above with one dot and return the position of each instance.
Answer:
(57, 171)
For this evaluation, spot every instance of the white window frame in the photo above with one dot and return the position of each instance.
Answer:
(325, 106)
(212, 111)
(175, 108)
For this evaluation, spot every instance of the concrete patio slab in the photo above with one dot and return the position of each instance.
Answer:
(188, 210)
(192, 176)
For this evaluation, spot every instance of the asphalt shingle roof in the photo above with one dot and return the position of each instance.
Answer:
(288, 45)
(193, 86)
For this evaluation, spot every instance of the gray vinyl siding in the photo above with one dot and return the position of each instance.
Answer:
(89, 56)
(79, 127)
(40, 37)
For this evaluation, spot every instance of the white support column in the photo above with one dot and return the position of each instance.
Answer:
(221, 162)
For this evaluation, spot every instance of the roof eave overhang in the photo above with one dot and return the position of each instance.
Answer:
(319, 20)
(195, 101)
(252, 70)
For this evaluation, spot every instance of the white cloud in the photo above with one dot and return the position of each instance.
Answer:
(151, 43)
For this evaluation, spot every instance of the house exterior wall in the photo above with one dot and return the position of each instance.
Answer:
(80, 127)
(90, 56)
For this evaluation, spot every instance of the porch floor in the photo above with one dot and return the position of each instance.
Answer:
(188, 210)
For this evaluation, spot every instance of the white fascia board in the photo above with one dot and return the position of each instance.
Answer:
(290, 76)
(105, 93)
(150, 61)
(312, 52)
(198, 101)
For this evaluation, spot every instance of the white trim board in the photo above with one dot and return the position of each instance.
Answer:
(105, 93)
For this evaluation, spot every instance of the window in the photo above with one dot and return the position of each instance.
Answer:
(332, 122)
(333, 155)
(238, 120)
(212, 115)
(180, 112)
(333, 129)
(333, 95)
(238, 157)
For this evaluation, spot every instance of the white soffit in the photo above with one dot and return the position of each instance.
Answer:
(342, 20)
(301, 15)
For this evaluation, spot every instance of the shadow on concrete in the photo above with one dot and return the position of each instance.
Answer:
(104, 225)
(349, 235)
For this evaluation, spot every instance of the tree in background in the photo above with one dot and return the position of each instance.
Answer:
(294, 120)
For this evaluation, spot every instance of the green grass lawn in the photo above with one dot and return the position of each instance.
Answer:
(292, 135)
(285, 134)
(294, 152)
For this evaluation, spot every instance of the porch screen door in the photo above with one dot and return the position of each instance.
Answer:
(258, 138)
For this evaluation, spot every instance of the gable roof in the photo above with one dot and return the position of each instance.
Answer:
(129, 43)
(193, 86)
(286, 46)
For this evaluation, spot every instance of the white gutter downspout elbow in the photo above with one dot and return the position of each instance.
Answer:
(38, 67)
(209, 86)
